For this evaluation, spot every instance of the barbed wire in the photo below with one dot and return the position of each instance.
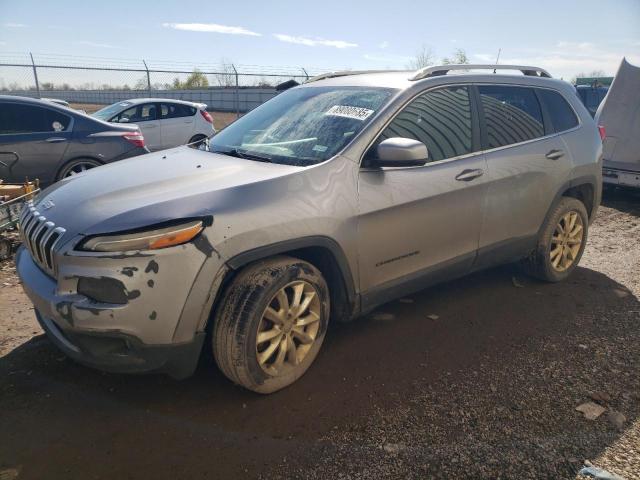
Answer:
(110, 63)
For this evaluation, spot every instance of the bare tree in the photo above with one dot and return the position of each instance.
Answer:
(227, 75)
(459, 57)
(423, 58)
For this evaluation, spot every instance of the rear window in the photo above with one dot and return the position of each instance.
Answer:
(176, 110)
(18, 118)
(512, 114)
(562, 115)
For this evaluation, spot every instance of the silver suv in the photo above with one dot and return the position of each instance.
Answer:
(328, 200)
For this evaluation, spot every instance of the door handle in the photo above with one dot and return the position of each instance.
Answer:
(56, 140)
(9, 165)
(469, 174)
(554, 154)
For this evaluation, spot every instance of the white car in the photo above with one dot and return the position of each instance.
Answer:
(164, 123)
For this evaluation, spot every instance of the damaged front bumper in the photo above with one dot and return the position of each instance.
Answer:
(158, 324)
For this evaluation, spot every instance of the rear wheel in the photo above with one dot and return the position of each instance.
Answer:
(197, 141)
(561, 242)
(76, 167)
(271, 323)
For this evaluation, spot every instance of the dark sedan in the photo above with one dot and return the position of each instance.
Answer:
(39, 139)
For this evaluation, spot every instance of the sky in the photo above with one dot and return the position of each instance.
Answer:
(565, 37)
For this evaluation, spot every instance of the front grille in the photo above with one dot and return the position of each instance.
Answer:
(40, 236)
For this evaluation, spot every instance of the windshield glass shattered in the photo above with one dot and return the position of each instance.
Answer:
(302, 126)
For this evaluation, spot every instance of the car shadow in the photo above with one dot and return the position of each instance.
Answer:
(623, 199)
(121, 425)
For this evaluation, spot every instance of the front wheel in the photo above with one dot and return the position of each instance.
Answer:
(561, 242)
(271, 323)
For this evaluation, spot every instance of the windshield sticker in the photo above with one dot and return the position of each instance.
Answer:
(357, 113)
(320, 148)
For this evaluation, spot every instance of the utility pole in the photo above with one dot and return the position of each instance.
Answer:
(35, 74)
(237, 91)
(148, 76)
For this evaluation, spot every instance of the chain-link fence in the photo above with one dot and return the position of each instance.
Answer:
(87, 80)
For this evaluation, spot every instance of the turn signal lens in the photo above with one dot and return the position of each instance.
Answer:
(149, 240)
(176, 238)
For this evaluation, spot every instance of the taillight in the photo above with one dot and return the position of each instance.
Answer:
(206, 116)
(602, 131)
(134, 137)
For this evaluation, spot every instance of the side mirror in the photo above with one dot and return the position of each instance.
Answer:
(400, 152)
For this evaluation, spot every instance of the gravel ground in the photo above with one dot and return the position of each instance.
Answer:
(476, 378)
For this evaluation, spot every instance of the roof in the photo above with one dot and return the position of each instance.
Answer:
(136, 101)
(402, 79)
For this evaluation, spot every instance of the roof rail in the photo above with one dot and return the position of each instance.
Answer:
(444, 69)
(344, 73)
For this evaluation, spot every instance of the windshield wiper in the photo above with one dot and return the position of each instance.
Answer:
(234, 152)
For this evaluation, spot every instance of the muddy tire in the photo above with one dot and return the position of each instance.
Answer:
(561, 242)
(271, 323)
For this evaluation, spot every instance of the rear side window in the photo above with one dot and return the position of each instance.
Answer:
(441, 119)
(17, 118)
(512, 114)
(562, 115)
(176, 110)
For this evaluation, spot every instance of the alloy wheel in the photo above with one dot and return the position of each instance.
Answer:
(566, 241)
(288, 328)
(78, 168)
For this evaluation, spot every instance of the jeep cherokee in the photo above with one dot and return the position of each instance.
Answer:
(332, 198)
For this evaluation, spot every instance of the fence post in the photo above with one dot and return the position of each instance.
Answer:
(35, 74)
(237, 91)
(148, 76)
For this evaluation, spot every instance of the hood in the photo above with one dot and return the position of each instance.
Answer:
(619, 113)
(149, 189)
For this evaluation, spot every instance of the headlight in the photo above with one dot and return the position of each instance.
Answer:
(146, 240)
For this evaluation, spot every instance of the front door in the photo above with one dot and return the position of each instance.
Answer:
(145, 117)
(417, 224)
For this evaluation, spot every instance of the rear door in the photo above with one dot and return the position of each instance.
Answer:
(146, 118)
(527, 163)
(178, 123)
(33, 140)
(416, 223)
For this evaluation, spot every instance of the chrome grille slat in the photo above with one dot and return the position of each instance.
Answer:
(40, 236)
(31, 234)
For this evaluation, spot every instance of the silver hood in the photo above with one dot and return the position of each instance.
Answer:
(152, 188)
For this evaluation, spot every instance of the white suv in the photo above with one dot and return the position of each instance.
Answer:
(165, 123)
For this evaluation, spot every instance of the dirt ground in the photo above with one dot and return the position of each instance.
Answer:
(220, 119)
(476, 378)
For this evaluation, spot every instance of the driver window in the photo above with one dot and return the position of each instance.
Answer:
(441, 119)
(139, 113)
